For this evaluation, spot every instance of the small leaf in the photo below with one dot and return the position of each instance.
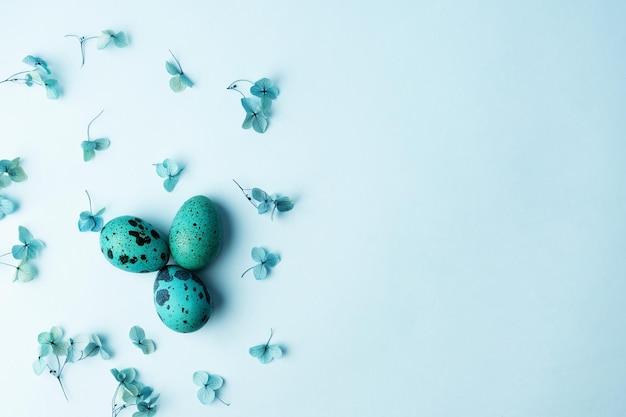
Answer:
(283, 204)
(170, 183)
(16, 172)
(6, 207)
(185, 80)
(52, 89)
(171, 68)
(39, 366)
(120, 40)
(271, 260)
(258, 254)
(148, 346)
(102, 144)
(25, 272)
(263, 208)
(176, 84)
(24, 234)
(259, 271)
(215, 382)
(200, 378)
(260, 195)
(259, 124)
(88, 154)
(206, 395)
(19, 251)
(171, 167)
(130, 394)
(137, 334)
(5, 181)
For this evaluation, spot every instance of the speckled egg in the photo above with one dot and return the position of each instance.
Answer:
(133, 245)
(196, 233)
(181, 299)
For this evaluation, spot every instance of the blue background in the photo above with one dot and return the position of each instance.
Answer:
(457, 244)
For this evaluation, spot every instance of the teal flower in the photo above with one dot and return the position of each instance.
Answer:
(118, 39)
(52, 89)
(14, 172)
(36, 62)
(266, 260)
(88, 221)
(266, 353)
(52, 342)
(29, 248)
(255, 115)
(126, 377)
(265, 90)
(179, 80)
(208, 384)
(6, 207)
(169, 170)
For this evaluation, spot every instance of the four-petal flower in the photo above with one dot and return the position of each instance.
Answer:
(265, 90)
(255, 114)
(30, 248)
(265, 261)
(208, 384)
(119, 39)
(52, 342)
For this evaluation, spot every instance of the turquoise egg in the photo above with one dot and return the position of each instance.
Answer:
(133, 245)
(181, 299)
(196, 233)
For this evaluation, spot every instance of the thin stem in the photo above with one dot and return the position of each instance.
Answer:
(5, 254)
(9, 78)
(82, 40)
(62, 388)
(246, 271)
(222, 401)
(234, 83)
(271, 334)
(19, 81)
(119, 409)
(62, 366)
(89, 125)
(180, 67)
(89, 197)
(59, 369)
(12, 266)
(114, 407)
(246, 194)
(234, 86)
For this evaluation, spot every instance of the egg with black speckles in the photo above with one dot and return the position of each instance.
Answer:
(196, 233)
(181, 299)
(133, 245)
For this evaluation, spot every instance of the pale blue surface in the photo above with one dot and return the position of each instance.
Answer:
(456, 247)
